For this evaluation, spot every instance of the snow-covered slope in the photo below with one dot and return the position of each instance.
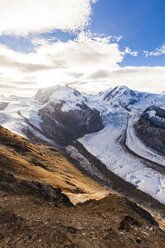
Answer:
(14, 110)
(21, 114)
(58, 94)
(56, 115)
(105, 122)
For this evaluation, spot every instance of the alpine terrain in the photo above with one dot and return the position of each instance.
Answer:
(104, 152)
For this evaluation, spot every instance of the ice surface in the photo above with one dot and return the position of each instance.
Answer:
(18, 109)
(105, 145)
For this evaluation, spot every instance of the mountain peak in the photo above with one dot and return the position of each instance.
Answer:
(57, 92)
(121, 95)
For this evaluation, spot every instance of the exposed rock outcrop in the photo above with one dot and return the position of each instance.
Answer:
(65, 127)
(53, 196)
(47, 192)
(3, 105)
(66, 115)
(151, 128)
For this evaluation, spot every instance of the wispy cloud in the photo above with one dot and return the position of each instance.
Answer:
(150, 79)
(21, 17)
(130, 52)
(157, 52)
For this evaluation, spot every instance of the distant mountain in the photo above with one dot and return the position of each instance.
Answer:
(121, 96)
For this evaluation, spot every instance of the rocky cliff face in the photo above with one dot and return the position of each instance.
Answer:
(65, 127)
(151, 128)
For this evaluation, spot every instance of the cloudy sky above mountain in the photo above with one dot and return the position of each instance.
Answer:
(88, 44)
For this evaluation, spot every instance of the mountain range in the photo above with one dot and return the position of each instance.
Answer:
(122, 128)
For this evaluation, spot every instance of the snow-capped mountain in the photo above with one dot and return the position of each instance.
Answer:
(66, 116)
(104, 124)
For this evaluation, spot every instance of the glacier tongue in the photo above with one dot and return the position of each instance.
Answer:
(117, 145)
(106, 146)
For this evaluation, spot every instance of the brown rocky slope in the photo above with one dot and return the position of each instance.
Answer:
(34, 212)
(36, 215)
(47, 165)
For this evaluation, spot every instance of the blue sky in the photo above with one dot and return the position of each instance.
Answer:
(135, 51)
(140, 22)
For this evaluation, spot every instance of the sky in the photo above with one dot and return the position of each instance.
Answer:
(90, 45)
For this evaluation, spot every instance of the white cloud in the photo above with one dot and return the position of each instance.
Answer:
(118, 38)
(149, 79)
(59, 62)
(21, 17)
(157, 52)
(130, 52)
(87, 63)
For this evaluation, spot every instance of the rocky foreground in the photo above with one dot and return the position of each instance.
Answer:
(37, 215)
(38, 186)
